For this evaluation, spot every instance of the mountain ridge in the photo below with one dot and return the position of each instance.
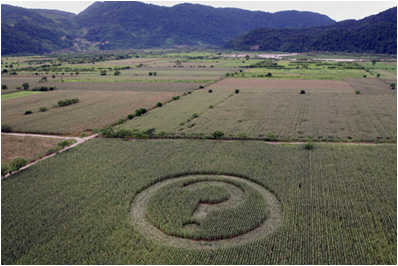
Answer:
(373, 34)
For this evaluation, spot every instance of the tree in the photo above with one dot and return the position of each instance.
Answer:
(25, 86)
(4, 87)
(247, 57)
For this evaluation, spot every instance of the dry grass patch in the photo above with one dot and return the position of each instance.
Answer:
(31, 148)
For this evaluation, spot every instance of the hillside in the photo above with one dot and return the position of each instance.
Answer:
(139, 25)
(121, 25)
(374, 34)
(29, 31)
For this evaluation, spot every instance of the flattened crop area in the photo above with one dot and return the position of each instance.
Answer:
(335, 204)
(95, 109)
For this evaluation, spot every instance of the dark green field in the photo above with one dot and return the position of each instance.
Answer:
(338, 203)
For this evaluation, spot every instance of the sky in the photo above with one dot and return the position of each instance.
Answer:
(337, 10)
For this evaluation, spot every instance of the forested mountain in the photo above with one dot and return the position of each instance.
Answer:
(374, 34)
(127, 24)
(139, 25)
(29, 31)
(131, 24)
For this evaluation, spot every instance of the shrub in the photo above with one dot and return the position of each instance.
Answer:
(130, 116)
(162, 134)
(241, 135)
(17, 164)
(211, 106)
(302, 92)
(210, 91)
(392, 85)
(117, 73)
(67, 102)
(269, 74)
(5, 128)
(236, 91)
(25, 85)
(364, 76)
(271, 136)
(64, 143)
(4, 170)
(83, 135)
(201, 87)
(195, 115)
(175, 98)
(4, 87)
(357, 92)
(120, 121)
(43, 109)
(107, 132)
(19, 87)
(159, 104)
(28, 112)
(309, 145)
(218, 134)
(140, 111)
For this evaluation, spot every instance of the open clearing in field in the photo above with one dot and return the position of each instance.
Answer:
(338, 203)
(30, 148)
(93, 111)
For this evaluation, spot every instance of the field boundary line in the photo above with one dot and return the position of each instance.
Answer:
(78, 141)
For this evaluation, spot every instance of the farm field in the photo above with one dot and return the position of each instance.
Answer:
(169, 191)
(30, 148)
(274, 109)
(337, 203)
(95, 110)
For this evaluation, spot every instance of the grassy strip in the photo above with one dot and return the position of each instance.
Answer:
(17, 94)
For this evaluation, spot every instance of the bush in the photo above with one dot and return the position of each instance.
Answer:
(140, 111)
(159, 104)
(19, 87)
(64, 143)
(210, 91)
(393, 85)
(236, 91)
(17, 164)
(117, 73)
(195, 115)
(120, 121)
(43, 109)
(218, 134)
(4, 170)
(302, 92)
(5, 128)
(309, 145)
(67, 102)
(107, 132)
(357, 92)
(4, 87)
(28, 112)
(175, 98)
(241, 135)
(211, 106)
(130, 116)
(271, 136)
(25, 86)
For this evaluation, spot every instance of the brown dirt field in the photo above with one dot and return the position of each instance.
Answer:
(30, 148)
(283, 86)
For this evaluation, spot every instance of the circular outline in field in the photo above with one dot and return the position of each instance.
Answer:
(144, 225)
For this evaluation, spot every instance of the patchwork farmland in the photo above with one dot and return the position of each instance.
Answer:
(215, 159)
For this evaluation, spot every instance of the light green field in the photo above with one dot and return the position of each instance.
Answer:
(338, 203)
(18, 94)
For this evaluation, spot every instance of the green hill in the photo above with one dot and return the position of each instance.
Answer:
(374, 34)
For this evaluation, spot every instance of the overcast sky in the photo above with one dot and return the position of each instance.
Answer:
(337, 10)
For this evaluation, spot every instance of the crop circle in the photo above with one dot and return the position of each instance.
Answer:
(205, 211)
